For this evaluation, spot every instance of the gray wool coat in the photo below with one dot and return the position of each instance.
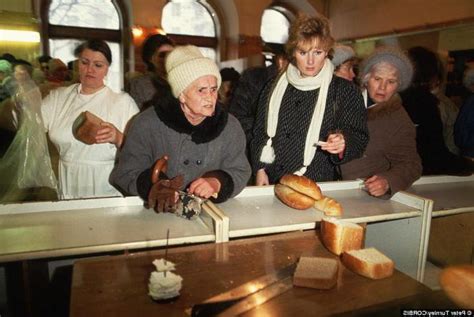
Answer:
(218, 144)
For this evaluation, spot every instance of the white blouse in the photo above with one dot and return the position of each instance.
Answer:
(84, 169)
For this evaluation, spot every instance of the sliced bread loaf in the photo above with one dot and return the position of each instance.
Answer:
(368, 262)
(316, 272)
(339, 236)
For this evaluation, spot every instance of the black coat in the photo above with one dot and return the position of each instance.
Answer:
(422, 107)
(246, 94)
(345, 111)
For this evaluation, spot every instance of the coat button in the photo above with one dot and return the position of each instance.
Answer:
(198, 162)
(186, 162)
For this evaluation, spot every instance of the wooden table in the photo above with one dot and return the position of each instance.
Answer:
(118, 285)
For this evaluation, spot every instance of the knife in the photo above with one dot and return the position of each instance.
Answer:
(248, 295)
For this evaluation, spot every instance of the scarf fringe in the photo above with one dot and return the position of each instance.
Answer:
(268, 154)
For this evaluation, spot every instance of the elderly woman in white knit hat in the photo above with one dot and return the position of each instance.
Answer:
(390, 162)
(204, 145)
(308, 120)
(343, 59)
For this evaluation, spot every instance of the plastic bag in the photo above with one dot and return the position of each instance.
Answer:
(26, 164)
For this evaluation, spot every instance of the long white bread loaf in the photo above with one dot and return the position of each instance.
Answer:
(316, 272)
(369, 262)
(329, 206)
(339, 236)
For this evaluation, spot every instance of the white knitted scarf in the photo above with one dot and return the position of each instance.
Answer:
(293, 76)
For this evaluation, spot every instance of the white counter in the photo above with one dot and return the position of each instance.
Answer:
(65, 228)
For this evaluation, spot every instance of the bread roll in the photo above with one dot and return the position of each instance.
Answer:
(302, 185)
(339, 236)
(292, 198)
(315, 272)
(369, 262)
(329, 206)
(458, 284)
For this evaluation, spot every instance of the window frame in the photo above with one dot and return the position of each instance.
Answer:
(201, 41)
(289, 14)
(121, 36)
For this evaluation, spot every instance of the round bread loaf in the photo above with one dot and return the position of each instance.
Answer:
(458, 283)
(302, 185)
(292, 198)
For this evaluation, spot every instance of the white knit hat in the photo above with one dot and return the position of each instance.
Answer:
(185, 64)
(342, 53)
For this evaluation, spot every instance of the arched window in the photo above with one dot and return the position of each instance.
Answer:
(72, 21)
(274, 27)
(192, 22)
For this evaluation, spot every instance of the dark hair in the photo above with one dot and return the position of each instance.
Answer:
(229, 74)
(96, 46)
(426, 65)
(25, 64)
(44, 58)
(151, 44)
(8, 57)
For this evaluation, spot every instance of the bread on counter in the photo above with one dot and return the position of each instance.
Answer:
(292, 198)
(329, 206)
(458, 284)
(302, 185)
(316, 272)
(298, 192)
(369, 262)
(339, 236)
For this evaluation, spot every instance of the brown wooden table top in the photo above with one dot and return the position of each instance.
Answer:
(118, 285)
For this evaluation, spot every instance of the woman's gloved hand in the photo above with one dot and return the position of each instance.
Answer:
(163, 194)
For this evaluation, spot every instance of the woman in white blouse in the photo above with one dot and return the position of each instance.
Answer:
(84, 169)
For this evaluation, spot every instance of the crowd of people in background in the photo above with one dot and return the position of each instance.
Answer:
(317, 110)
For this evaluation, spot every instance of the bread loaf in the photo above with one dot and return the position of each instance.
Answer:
(292, 198)
(329, 206)
(298, 192)
(316, 272)
(369, 262)
(86, 126)
(339, 236)
(458, 284)
(302, 185)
